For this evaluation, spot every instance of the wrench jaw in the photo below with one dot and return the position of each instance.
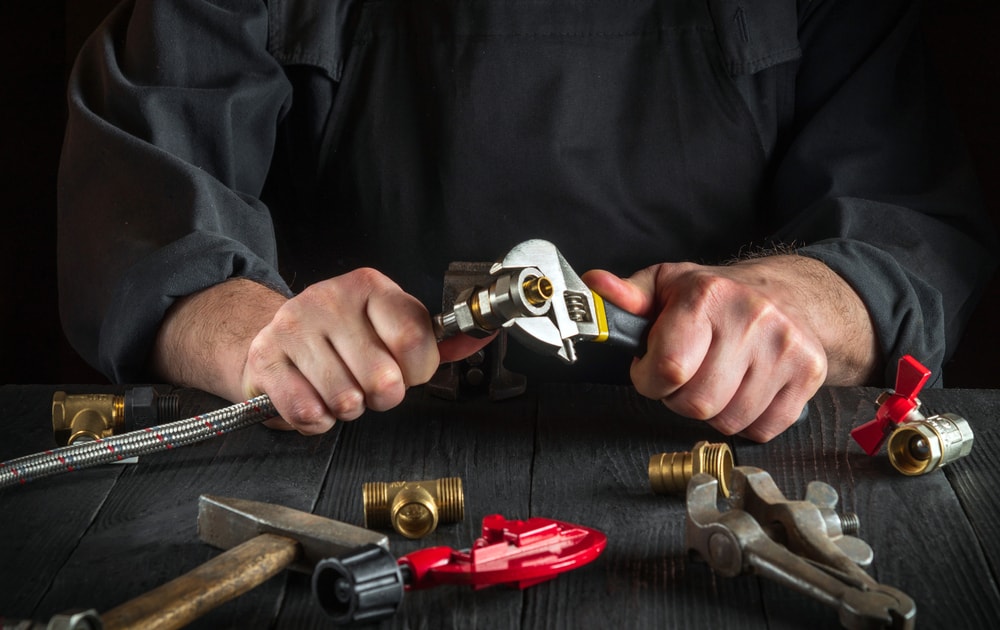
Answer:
(758, 531)
(572, 315)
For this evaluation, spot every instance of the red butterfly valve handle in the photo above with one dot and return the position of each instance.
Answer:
(895, 406)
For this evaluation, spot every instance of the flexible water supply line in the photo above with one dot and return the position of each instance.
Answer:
(141, 442)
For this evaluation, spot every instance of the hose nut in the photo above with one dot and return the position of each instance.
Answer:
(413, 508)
(922, 446)
(669, 473)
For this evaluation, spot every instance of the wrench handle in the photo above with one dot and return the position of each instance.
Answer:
(619, 328)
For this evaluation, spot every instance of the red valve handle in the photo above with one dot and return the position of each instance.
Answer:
(910, 379)
(517, 553)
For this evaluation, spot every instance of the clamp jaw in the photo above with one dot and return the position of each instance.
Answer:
(804, 545)
(539, 298)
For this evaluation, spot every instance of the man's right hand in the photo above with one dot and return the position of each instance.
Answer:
(343, 345)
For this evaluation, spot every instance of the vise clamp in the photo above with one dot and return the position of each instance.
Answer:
(804, 545)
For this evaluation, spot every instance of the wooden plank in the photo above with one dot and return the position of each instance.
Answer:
(915, 525)
(975, 477)
(44, 520)
(591, 468)
(489, 445)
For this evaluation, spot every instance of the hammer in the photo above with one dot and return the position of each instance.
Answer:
(261, 539)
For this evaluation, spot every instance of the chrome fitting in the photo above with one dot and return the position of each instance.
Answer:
(920, 446)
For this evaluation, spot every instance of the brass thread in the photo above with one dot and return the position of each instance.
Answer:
(413, 508)
(451, 505)
(375, 497)
(669, 473)
(538, 290)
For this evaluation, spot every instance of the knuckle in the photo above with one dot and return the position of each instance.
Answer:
(348, 404)
(385, 389)
(672, 371)
(711, 291)
(408, 336)
(308, 417)
(697, 406)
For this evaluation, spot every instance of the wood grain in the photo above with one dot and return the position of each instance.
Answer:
(574, 453)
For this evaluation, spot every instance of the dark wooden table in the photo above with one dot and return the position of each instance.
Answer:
(99, 537)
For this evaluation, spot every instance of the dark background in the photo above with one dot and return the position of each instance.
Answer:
(38, 39)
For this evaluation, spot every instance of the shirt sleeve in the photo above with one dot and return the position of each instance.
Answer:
(875, 181)
(173, 110)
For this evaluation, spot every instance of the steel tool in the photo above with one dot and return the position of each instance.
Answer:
(803, 545)
(262, 539)
(536, 295)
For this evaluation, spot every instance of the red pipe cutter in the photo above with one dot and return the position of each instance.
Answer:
(367, 583)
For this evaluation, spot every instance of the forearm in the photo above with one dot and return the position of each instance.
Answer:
(832, 309)
(204, 338)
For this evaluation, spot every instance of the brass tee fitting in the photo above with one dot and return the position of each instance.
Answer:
(669, 473)
(89, 417)
(86, 417)
(921, 446)
(413, 508)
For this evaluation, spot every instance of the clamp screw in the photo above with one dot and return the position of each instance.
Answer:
(669, 473)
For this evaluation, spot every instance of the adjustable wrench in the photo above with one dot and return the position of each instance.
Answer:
(800, 544)
(544, 304)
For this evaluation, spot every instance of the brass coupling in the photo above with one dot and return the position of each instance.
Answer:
(669, 473)
(920, 446)
(89, 417)
(413, 508)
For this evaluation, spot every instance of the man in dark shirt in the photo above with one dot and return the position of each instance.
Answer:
(266, 195)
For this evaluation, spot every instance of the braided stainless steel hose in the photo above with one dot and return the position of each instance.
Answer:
(132, 444)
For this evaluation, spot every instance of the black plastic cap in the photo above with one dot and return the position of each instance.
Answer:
(360, 586)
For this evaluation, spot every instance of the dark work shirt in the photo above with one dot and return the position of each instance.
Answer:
(287, 142)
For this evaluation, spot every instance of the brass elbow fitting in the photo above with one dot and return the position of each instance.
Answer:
(921, 446)
(413, 508)
(669, 473)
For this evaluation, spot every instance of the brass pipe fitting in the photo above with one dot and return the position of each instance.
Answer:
(86, 417)
(89, 417)
(413, 508)
(921, 446)
(669, 473)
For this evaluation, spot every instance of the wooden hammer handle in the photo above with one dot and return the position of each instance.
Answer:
(228, 575)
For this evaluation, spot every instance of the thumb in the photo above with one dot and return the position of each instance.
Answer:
(636, 294)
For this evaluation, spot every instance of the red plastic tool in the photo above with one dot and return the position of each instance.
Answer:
(896, 407)
(515, 553)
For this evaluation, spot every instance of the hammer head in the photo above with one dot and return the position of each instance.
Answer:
(226, 522)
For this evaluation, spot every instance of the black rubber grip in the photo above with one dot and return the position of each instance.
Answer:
(626, 330)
